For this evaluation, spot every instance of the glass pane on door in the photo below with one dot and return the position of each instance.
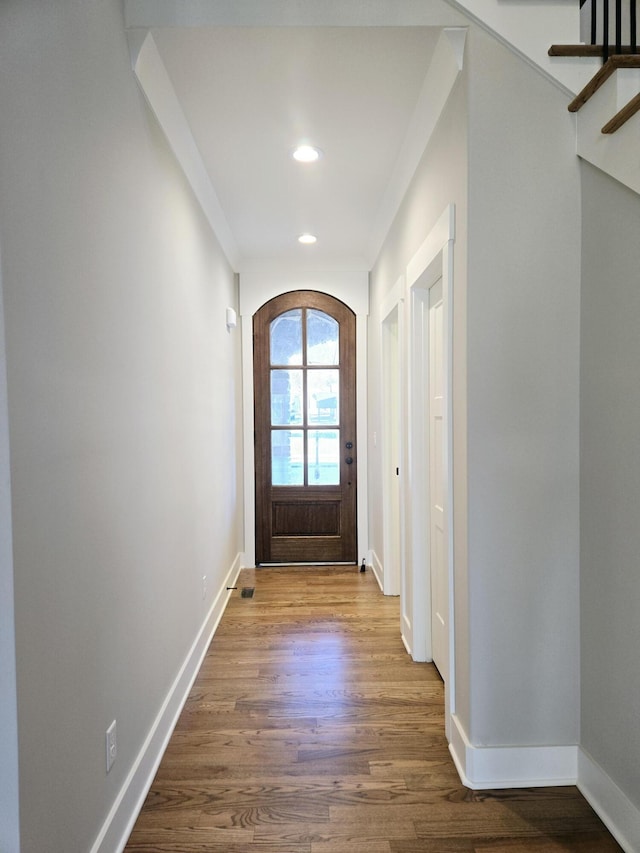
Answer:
(323, 396)
(286, 338)
(323, 466)
(287, 457)
(322, 338)
(286, 397)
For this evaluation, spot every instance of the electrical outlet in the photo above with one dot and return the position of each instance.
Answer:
(204, 586)
(112, 748)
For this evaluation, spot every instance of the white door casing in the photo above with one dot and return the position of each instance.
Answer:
(392, 428)
(437, 484)
(417, 606)
(428, 534)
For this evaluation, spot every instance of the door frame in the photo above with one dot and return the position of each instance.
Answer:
(256, 288)
(312, 504)
(392, 430)
(432, 261)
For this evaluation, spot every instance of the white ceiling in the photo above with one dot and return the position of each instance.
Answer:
(253, 78)
(251, 94)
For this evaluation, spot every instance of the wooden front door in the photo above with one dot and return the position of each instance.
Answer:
(305, 429)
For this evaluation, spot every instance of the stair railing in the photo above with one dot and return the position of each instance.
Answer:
(595, 19)
(607, 18)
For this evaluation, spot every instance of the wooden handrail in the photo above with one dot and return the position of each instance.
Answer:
(622, 116)
(587, 50)
(613, 63)
(613, 56)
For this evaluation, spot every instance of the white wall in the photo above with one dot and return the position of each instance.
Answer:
(523, 350)
(530, 28)
(9, 794)
(506, 158)
(610, 480)
(124, 409)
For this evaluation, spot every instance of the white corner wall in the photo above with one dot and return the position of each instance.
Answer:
(124, 412)
(523, 373)
(9, 794)
(610, 497)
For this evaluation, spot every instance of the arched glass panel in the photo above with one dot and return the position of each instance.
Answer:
(322, 338)
(286, 338)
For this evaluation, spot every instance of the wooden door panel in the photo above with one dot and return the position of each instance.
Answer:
(311, 518)
(304, 380)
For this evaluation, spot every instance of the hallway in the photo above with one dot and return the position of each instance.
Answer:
(310, 730)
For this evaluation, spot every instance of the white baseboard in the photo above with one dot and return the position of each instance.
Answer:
(120, 821)
(511, 766)
(609, 802)
(406, 644)
(378, 569)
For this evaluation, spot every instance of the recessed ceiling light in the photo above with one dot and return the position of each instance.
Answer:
(307, 239)
(306, 154)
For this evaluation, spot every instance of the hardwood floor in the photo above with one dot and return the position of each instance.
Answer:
(310, 730)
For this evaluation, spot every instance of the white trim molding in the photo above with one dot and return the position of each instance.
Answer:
(433, 260)
(120, 821)
(445, 67)
(482, 767)
(391, 332)
(611, 804)
(156, 85)
(377, 568)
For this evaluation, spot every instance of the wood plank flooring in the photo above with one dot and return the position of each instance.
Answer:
(310, 730)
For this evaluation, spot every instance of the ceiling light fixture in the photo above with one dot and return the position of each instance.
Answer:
(306, 154)
(307, 239)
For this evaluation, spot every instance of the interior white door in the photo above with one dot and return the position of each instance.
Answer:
(437, 485)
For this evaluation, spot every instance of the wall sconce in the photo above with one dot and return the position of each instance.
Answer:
(232, 319)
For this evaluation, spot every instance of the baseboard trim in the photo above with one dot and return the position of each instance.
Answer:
(120, 821)
(610, 803)
(377, 569)
(511, 766)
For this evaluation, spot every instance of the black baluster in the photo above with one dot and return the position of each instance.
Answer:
(618, 26)
(605, 30)
(594, 22)
(633, 26)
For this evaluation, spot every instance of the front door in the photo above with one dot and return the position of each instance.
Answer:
(305, 430)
